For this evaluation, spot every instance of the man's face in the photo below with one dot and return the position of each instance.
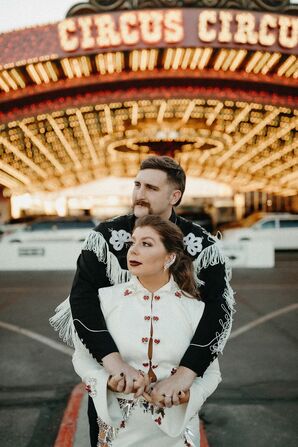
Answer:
(153, 194)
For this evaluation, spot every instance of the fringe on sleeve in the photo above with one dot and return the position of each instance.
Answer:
(62, 322)
(97, 243)
(211, 256)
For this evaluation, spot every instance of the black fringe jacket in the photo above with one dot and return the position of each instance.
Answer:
(102, 262)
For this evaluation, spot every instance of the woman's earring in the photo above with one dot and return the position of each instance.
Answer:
(169, 263)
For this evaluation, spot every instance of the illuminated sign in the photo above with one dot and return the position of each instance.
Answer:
(131, 28)
(170, 27)
(161, 28)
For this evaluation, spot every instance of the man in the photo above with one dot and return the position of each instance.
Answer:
(159, 186)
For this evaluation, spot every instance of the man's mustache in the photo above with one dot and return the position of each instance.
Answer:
(141, 203)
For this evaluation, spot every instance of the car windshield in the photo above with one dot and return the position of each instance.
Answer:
(61, 224)
(250, 220)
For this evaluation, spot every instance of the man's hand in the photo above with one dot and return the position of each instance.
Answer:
(166, 392)
(129, 379)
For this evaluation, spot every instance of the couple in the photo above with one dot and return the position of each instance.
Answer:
(151, 319)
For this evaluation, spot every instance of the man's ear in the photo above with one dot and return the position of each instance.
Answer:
(175, 196)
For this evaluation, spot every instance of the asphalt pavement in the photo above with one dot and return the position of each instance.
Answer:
(255, 405)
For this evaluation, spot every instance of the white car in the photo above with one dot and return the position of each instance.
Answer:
(280, 228)
(52, 230)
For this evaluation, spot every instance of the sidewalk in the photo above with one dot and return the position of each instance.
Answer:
(73, 430)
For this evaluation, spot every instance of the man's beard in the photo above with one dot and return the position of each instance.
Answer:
(144, 204)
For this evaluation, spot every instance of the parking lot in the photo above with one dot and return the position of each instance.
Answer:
(256, 404)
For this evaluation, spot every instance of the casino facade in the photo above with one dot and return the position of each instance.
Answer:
(212, 83)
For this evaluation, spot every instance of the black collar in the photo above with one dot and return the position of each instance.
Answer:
(173, 217)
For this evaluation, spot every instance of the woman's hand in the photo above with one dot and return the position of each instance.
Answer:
(117, 383)
(169, 389)
(168, 401)
(115, 366)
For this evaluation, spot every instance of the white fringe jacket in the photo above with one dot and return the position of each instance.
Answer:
(152, 332)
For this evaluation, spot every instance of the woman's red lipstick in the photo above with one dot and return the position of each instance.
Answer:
(134, 263)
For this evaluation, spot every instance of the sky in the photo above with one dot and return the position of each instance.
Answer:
(16, 14)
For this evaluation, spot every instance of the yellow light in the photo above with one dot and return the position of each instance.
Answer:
(76, 67)
(195, 58)
(67, 68)
(253, 61)
(10, 81)
(43, 149)
(231, 56)
(205, 58)
(168, 58)
(260, 64)
(143, 60)
(186, 58)
(272, 61)
(51, 71)
(33, 74)
(177, 58)
(42, 73)
(292, 69)
(238, 59)
(288, 62)
(100, 64)
(3, 85)
(222, 55)
(17, 76)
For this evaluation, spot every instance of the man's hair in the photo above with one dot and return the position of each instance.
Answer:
(175, 173)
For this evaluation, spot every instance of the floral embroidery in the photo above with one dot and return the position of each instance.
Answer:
(193, 244)
(119, 238)
(91, 386)
(127, 292)
(178, 294)
(158, 420)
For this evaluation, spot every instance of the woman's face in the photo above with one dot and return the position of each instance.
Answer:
(147, 254)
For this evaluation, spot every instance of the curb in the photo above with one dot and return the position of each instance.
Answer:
(203, 436)
(68, 427)
(67, 430)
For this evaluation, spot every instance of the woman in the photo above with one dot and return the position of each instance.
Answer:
(152, 319)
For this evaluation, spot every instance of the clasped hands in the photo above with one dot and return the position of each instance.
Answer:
(168, 392)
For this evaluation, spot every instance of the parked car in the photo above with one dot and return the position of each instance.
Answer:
(200, 217)
(281, 228)
(14, 224)
(53, 230)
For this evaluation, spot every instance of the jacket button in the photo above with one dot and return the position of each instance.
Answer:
(157, 340)
(144, 340)
(147, 317)
(155, 318)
